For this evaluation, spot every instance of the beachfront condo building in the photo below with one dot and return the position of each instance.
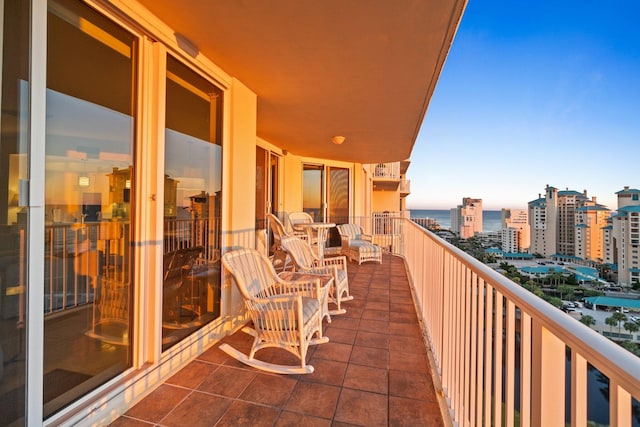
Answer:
(466, 219)
(624, 240)
(591, 219)
(515, 230)
(553, 221)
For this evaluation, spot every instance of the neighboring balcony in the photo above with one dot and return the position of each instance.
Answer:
(405, 187)
(386, 176)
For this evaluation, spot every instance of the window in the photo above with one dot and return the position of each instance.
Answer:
(192, 203)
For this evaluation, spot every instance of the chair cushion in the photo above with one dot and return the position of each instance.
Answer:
(363, 245)
(272, 319)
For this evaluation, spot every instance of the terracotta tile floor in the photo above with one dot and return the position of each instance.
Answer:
(374, 371)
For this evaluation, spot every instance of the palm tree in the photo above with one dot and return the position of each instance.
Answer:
(631, 326)
(565, 290)
(588, 320)
(611, 321)
(620, 317)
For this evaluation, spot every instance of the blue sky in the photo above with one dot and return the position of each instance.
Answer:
(533, 93)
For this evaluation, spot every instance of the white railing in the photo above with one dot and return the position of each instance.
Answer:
(387, 170)
(405, 186)
(527, 342)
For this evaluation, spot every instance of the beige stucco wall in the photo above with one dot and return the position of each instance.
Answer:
(385, 201)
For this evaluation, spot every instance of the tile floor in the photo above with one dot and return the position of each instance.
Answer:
(373, 372)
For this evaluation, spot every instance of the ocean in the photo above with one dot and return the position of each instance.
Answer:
(491, 220)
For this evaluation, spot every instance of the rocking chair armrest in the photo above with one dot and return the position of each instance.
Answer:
(284, 298)
(367, 237)
(305, 286)
(339, 261)
(326, 270)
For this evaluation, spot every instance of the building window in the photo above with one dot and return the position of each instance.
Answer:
(192, 203)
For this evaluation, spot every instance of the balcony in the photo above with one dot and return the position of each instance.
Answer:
(497, 355)
(373, 371)
(386, 176)
(405, 187)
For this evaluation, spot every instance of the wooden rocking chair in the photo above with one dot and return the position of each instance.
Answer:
(305, 259)
(285, 314)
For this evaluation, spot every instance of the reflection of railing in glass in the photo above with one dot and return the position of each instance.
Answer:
(191, 284)
(69, 273)
(188, 233)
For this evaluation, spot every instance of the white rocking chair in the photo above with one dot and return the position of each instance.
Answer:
(285, 314)
(306, 260)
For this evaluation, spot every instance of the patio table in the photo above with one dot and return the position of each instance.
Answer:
(322, 228)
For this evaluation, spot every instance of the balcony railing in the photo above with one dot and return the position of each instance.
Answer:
(387, 170)
(405, 186)
(504, 355)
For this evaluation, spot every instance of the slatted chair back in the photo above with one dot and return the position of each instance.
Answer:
(253, 272)
(277, 228)
(352, 231)
(300, 252)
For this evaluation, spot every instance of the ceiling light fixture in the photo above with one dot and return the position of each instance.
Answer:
(338, 139)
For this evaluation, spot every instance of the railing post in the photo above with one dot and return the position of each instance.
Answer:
(525, 369)
(509, 363)
(548, 376)
(488, 354)
(619, 405)
(498, 359)
(578, 390)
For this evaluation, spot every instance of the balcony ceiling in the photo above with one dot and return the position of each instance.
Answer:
(365, 69)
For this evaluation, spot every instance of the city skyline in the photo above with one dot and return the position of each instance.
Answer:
(532, 95)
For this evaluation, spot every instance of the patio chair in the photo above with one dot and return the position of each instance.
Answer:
(306, 260)
(285, 314)
(280, 261)
(357, 245)
(296, 218)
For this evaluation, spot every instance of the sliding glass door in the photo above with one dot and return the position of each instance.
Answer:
(326, 193)
(192, 203)
(338, 195)
(89, 192)
(14, 210)
(313, 201)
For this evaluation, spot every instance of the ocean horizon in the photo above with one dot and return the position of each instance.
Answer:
(491, 220)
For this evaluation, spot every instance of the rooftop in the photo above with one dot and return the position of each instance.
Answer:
(373, 371)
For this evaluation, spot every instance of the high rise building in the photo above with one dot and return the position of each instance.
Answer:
(625, 236)
(542, 222)
(591, 219)
(466, 219)
(553, 220)
(515, 230)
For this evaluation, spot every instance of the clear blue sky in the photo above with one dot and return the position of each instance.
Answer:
(533, 93)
